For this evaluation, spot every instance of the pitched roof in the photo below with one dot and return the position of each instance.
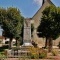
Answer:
(49, 1)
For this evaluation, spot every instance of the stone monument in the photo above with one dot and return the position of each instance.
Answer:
(27, 33)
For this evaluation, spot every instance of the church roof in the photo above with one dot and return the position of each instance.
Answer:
(49, 1)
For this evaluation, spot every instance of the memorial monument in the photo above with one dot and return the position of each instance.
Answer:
(27, 33)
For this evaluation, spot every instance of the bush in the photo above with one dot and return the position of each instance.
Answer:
(2, 55)
(37, 53)
(42, 54)
(54, 52)
(34, 53)
(3, 48)
(34, 56)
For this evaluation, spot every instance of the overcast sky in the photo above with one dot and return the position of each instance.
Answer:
(27, 7)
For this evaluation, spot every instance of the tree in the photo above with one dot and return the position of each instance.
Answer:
(50, 25)
(2, 15)
(12, 23)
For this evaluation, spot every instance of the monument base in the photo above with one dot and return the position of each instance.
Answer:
(27, 44)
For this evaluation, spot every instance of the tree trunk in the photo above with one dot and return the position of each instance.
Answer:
(50, 45)
(10, 43)
(46, 43)
(16, 43)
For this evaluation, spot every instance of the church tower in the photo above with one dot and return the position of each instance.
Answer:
(44, 1)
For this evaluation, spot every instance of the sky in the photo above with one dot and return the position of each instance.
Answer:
(27, 7)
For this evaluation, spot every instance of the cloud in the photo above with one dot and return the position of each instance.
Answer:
(38, 2)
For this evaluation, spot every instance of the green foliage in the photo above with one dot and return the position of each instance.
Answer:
(34, 56)
(37, 53)
(42, 55)
(2, 15)
(12, 22)
(51, 23)
(2, 55)
(34, 53)
(3, 48)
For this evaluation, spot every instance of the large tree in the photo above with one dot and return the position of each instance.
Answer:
(50, 25)
(12, 23)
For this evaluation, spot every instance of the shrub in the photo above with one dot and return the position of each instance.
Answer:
(37, 53)
(54, 52)
(3, 48)
(2, 55)
(42, 54)
(34, 56)
(34, 53)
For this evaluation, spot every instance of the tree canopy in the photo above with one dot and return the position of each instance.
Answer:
(11, 21)
(50, 22)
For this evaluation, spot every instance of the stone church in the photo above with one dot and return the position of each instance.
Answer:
(35, 20)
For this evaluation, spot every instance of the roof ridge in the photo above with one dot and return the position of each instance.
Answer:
(42, 6)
